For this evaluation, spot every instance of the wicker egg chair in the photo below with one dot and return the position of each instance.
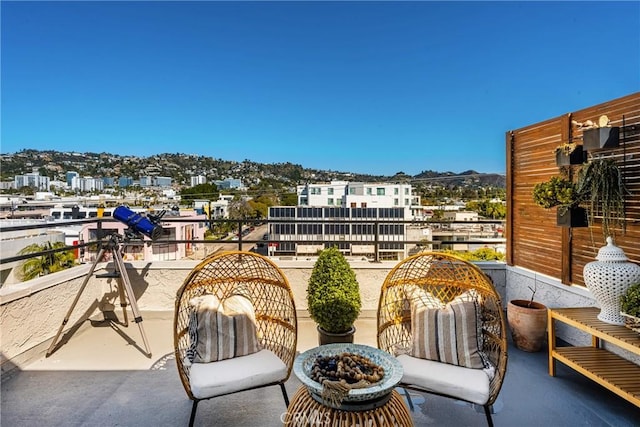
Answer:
(435, 279)
(259, 279)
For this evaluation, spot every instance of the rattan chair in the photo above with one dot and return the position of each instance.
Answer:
(259, 279)
(437, 279)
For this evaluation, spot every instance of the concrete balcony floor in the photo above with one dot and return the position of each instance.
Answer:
(100, 377)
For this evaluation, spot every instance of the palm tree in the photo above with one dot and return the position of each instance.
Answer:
(46, 263)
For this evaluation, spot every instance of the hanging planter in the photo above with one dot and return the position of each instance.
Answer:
(574, 216)
(561, 192)
(570, 154)
(599, 138)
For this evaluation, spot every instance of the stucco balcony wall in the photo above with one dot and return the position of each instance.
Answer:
(31, 312)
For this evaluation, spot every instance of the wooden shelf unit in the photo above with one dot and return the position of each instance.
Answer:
(613, 372)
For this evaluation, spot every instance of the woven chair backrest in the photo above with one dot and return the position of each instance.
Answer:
(249, 274)
(437, 279)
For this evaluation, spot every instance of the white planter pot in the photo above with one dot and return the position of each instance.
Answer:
(608, 278)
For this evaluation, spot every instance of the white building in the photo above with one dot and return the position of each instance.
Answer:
(359, 194)
(33, 180)
(378, 208)
(87, 184)
(218, 208)
(197, 180)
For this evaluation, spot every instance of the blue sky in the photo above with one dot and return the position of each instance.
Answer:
(367, 87)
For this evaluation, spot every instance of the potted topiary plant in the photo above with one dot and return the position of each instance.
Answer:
(630, 307)
(333, 297)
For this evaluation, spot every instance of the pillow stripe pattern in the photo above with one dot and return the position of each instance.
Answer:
(447, 335)
(221, 331)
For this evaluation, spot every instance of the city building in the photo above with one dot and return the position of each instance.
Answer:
(229, 183)
(125, 181)
(198, 179)
(87, 184)
(359, 194)
(70, 175)
(33, 180)
(162, 181)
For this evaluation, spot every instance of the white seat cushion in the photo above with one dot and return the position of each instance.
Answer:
(456, 381)
(239, 373)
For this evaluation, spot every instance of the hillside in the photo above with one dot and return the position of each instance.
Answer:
(180, 167)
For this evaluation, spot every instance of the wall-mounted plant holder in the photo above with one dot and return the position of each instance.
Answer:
(572, 217)
(598, 138)
(576, 157)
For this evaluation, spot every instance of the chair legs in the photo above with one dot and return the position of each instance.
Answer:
(195, 404)
(284, 394)
(487, 412)
(193, 412)
(409, 401)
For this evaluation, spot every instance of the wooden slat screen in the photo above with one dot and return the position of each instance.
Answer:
(534, 240)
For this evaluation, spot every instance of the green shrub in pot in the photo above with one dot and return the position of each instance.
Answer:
(557, 191)
(333, 293)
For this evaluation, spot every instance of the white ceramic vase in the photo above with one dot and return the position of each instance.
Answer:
(608, 278)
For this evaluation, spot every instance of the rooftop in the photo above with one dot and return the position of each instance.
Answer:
(99, 376)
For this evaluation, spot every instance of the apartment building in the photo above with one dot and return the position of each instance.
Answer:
(33, 180)
(325, 213)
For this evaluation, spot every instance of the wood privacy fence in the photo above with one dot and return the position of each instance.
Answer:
(534, 241)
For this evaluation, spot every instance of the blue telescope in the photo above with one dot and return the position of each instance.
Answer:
(139, 223)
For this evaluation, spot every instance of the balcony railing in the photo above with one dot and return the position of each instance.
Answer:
(375, 239)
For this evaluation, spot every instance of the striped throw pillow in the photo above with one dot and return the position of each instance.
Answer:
(448, 335)
(221, 329)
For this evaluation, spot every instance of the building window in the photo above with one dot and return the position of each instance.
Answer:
(380, 191)
(336, 212)
(369, 191)
(330, 191)
(406, 202)
(336, 229)
(330, 201)
(397, 213)
(309, 229)
(395, 191)
(362, 229)
(391, 229)
(396, 202)
(406, 191)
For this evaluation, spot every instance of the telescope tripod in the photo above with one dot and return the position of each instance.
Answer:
(113, 246)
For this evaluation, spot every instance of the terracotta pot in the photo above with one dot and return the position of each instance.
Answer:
(528, 324)
(325, 337)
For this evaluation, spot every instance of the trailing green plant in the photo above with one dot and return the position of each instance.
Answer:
(631, 301)
(333, 293)
(601, 187)
(557, 191)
